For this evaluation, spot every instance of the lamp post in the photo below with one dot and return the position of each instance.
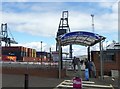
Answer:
(50, 54)
(92, 15)
(41, 52)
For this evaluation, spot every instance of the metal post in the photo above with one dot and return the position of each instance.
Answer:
(119, 40)
(89, 53)
(92, 15)
(26, 81)
(59, 64)
(61, 58)
(0, 63)
(89, 58)
(50, 53)
(41, 52)
(101, 61)
(119, 79)
(119, 21)
(70, 51)
(0, 49)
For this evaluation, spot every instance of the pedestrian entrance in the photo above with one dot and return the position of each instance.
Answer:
(83, 38)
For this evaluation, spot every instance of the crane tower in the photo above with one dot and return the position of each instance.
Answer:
(62, 29)
(4, 36)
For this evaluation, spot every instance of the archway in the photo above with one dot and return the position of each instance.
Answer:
(83, 38)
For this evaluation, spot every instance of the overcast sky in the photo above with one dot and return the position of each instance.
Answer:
(33, 22)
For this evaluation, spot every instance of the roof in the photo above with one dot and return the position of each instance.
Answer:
(81, 38)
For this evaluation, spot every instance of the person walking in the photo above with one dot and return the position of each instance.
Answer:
(93, 69)
(74, 62)
(87, 70)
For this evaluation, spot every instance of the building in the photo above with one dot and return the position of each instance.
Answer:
(111, 60)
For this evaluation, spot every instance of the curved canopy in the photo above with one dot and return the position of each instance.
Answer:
(80, 38)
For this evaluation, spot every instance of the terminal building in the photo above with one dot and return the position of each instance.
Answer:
(111, 60)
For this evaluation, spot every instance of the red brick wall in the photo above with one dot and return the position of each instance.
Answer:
(52, 72)
(118, 60)
(107, 66)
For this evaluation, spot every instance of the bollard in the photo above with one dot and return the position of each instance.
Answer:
(77, 83)
(26, 81)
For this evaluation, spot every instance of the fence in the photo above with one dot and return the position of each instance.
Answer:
(30, 64)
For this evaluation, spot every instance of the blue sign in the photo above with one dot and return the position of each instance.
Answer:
(81, 38)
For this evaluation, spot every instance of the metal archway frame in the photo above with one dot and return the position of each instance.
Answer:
(79, 38)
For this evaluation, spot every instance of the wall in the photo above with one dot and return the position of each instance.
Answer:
(52, 72)
(107, 65)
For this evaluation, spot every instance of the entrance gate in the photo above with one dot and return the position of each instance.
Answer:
(83, 38)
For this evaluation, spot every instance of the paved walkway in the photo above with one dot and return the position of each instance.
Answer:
(106, 81)
(85, 85)
(10, 80)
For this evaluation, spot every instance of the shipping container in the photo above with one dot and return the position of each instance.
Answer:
(21, 48)
(39, 54)
(13, 48)
(29, 52)
(34, 55)
(30, 59)
(32, 52)
(17, 51)
(26, 49)
(26, 52)
(23, 51)
(8, 58)
(20, 59)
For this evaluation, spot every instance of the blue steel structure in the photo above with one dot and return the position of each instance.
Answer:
(83, 38)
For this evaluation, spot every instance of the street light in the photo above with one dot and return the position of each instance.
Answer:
(92, 15)
(41, 52)
(50, 53)
(41, 46)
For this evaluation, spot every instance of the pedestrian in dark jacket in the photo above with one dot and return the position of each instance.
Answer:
(74, 62)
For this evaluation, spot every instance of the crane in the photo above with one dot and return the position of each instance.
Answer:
(62, 29)
(4, 36)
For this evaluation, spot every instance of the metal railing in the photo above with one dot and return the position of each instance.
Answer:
(30, 64)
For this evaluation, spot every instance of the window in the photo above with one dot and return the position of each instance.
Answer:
(110, 56)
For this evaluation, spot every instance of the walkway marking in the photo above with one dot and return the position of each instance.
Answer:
(88, 82)
(97, 86)
(69, 83)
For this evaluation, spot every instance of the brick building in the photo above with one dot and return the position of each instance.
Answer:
(111, 60)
